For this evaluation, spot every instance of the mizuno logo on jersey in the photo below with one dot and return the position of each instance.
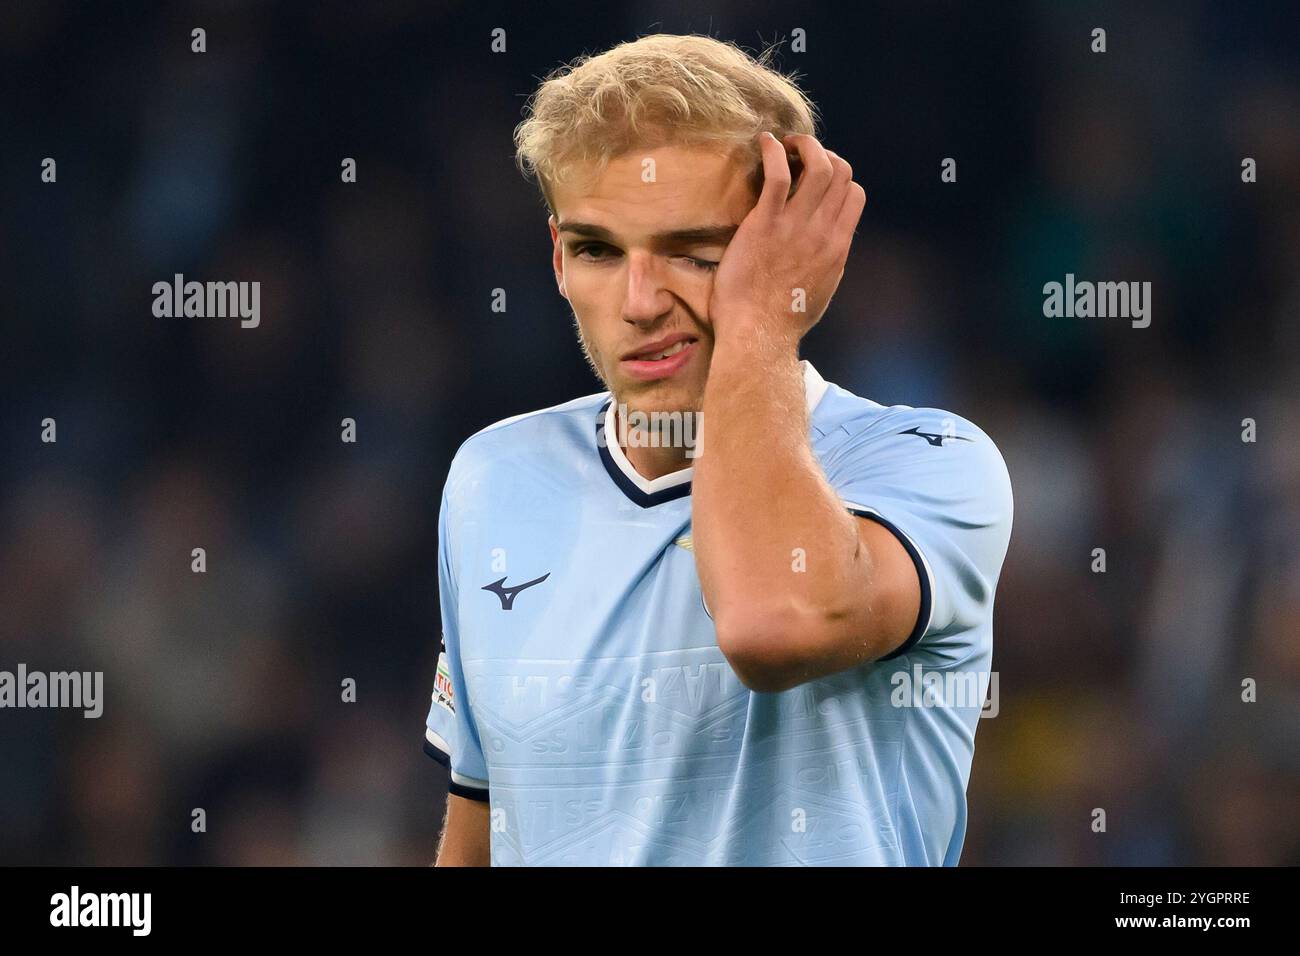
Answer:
(508, 594)
(935, 439)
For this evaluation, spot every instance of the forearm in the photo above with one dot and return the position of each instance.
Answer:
(466, 840)
(793, 591)
(775, 550)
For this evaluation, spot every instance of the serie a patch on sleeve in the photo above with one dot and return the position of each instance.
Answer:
(442, 695)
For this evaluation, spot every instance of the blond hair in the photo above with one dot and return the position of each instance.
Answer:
(687, 90)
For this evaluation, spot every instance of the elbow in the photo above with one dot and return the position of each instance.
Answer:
(767, 649)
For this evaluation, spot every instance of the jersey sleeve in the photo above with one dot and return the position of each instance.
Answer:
(450, 736)
(941, 486)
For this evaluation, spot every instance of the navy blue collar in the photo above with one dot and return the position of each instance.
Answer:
(645, 493)
(648, 493)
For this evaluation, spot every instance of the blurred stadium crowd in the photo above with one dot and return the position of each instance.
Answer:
(1119, 690)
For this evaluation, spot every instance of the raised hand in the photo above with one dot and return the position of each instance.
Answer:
(786, 260)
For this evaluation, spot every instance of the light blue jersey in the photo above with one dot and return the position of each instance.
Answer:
(582, 692)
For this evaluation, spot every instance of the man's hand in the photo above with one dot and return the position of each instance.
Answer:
(786, 260)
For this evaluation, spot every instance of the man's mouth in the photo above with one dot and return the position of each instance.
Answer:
(662, 354)
(659, 359)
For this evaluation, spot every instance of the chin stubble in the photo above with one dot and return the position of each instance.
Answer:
(593, 358)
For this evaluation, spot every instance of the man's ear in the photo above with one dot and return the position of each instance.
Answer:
(557, 256)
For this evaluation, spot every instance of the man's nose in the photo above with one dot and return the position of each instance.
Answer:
(646, 299)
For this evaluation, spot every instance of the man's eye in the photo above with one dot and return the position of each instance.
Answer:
(598, 252)
(591, 247)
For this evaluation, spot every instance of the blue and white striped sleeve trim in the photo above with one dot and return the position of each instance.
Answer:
(460, 785)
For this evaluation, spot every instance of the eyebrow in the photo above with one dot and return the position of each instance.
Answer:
(717, 233)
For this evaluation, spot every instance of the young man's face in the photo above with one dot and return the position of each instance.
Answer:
(637, 289)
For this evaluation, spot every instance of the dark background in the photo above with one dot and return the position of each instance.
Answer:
(1119, 690)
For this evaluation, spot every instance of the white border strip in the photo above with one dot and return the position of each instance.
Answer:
(437, 741)
(432, 736)
(465, 781)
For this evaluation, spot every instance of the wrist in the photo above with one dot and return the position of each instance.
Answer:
(750, 337)
(752, 359)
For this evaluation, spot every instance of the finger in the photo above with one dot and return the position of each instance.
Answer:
(816, 177)
(850, 212)
(841, 177)
(776, 175)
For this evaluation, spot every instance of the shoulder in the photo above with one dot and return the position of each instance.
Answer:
(529, 440)
(921, 449)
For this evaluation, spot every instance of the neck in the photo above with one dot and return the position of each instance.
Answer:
(651, 459)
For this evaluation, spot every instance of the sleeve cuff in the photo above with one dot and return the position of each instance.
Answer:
(460, 785)
(924, 576)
